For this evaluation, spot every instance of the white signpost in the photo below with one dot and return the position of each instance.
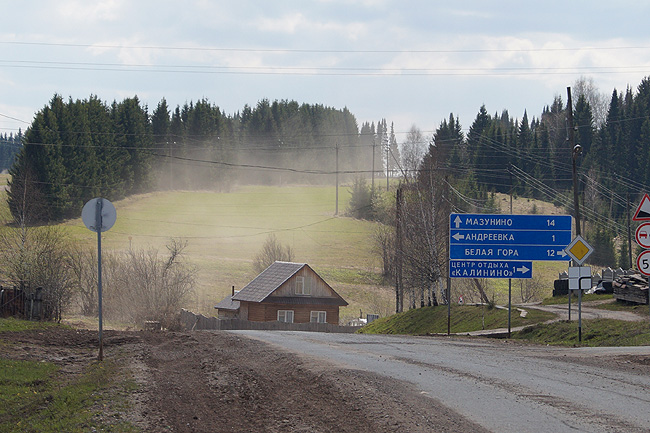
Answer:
(641, 236)
(99, 215)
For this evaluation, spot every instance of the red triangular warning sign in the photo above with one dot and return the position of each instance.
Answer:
(643, 211)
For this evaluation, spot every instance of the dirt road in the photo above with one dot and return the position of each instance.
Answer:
(502, 385)
(260, 381)
(222, 382)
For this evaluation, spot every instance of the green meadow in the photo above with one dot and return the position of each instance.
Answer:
(226, 230)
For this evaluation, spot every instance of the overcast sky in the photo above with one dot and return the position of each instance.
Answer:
(411, 62)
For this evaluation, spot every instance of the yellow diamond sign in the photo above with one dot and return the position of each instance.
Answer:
(579, 250)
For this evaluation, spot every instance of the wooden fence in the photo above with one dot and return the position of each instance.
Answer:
(19, 303)
(195, 322)
(12, 302)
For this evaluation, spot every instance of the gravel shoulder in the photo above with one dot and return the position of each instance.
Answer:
(222, 382)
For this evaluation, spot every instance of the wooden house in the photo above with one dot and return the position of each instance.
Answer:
(284, 292)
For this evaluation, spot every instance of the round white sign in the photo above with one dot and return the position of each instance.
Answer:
(643, 262)
(642, 235)
(108, 215)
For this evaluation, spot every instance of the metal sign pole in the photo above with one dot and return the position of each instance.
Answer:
(98, 225)
(580, 311)
(98, 215)
(509, 305)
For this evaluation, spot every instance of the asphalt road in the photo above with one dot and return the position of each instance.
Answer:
(504, 387)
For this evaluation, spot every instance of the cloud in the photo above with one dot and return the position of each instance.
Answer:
(298, 23)
(90, 12)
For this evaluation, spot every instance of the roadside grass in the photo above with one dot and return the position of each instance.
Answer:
(597, 332)
(465, 318)
(33, 398)
(11, 324)
(36, 396)
(625, 306)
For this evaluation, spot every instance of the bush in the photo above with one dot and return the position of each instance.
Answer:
(272, 251)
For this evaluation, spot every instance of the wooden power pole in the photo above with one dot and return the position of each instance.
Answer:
(399, 290)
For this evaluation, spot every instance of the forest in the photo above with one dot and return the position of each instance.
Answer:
(75, 150)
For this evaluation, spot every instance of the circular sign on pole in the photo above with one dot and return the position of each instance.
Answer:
(89, 214)
(642, 235)
(643, 262)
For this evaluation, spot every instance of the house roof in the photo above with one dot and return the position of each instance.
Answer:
(227, 303)
(268, 281)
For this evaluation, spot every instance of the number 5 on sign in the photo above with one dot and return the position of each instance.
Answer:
(643, 262)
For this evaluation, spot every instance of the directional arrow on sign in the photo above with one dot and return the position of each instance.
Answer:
(458, 221)
(523, 269)
(490, 269)
(458, 236)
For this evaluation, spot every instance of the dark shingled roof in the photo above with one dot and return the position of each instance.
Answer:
(268, 281)
(227, 304)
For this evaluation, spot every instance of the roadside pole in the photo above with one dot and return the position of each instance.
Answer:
(510, 279)
(99, 215)
(98, 223)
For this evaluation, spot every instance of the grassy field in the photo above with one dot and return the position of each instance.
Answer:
(225, 230)
(599, 332)
(465, 318)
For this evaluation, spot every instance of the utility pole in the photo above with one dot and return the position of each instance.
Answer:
(387, 166)
(576, 150)
(337, 179)
(510, 279)
(629, 230)
(372, 187)
(399, 291)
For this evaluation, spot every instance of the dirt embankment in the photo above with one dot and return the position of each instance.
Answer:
(219, 382)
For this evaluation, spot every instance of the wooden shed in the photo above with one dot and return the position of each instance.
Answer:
(285, 292)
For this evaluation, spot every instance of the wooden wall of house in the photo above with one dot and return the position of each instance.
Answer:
(301, 313)
(243, 311)
(319, 288)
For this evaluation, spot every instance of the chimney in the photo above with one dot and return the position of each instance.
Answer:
(233, 291)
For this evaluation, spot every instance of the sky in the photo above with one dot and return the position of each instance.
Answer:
(410, 62)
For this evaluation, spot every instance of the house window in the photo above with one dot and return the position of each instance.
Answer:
(302, 287)
(318, 317)
(285, 316)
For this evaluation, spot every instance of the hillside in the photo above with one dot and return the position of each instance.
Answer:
(226, 230)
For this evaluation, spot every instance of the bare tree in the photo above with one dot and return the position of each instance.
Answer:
(424, 225)
(384, 246)
(82, 263)
(413, 150)
(146, 286)
(531, 290)
(36, 257)
(598, 102)
(272, 251)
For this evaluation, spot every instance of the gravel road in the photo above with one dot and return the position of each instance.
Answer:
(500, 385)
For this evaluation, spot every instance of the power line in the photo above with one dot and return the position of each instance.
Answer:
(321, 51)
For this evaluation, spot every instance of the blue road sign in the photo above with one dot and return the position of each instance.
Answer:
(509, 237)
(508, 252)
(510, 222)
(490, 269)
